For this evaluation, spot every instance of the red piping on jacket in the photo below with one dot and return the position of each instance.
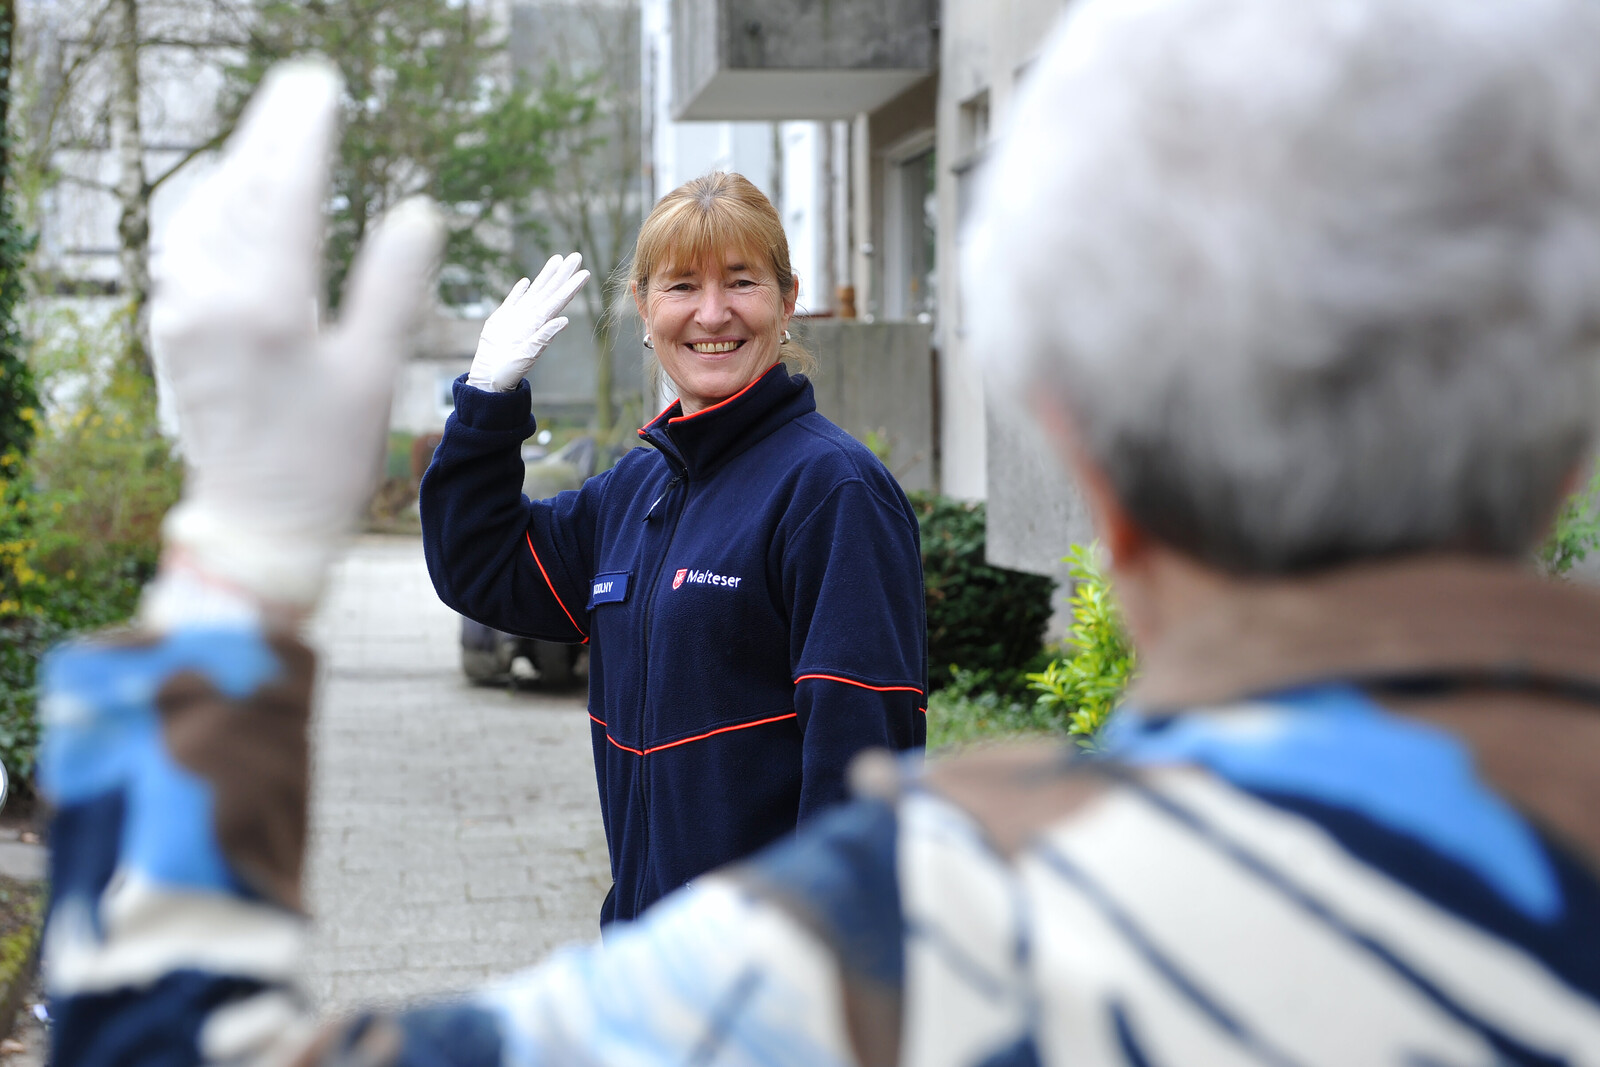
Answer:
(724, 400)
(643, 429)
(552, 585)
(697, 737)
(863, 685)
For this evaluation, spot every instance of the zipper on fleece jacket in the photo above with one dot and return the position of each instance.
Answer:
(654, 590)
(671, 485)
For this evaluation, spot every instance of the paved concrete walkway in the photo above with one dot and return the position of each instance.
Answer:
(22, 856)
(455, 830)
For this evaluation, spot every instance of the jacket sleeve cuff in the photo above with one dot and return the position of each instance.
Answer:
(495, 412)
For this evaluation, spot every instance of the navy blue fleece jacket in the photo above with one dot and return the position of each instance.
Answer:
(751, 591)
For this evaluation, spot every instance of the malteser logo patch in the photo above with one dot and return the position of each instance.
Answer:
(694, 577)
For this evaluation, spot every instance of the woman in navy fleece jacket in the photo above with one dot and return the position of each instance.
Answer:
(750, 586)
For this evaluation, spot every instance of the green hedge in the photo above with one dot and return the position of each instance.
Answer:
(1071, 690)
(984, 620)
(19, 394)
(80, 526)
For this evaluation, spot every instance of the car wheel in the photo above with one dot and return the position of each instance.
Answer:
(554, 662)
(482, 668)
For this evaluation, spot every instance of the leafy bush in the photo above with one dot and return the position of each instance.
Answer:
(23, 640)
(980, 618)
(970, 709)
(1074, 693)
(21, 634)
(80, 530)
(397, 456)
(1082, 688)
(18, 394)
(25, 630)
(1577, 529)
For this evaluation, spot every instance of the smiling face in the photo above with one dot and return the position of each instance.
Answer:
(716, 326)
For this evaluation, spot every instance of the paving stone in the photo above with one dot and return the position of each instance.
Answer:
(26, 861)
(455, 830)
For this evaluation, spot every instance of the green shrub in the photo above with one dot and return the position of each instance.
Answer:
(980, 618)
(397, 457)
(1073, 693)
(19, 396)
(80, 529)
(1082, 689)
(23, 640)
(1577, 529)
(985, 706)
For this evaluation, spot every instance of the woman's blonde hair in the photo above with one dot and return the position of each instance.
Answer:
(706, 215)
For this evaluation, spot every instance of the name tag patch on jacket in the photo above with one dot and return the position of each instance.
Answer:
(608, 588)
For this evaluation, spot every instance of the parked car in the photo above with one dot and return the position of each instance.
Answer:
(491, 657)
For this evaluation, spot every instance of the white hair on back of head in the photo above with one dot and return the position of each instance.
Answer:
(1316, 280)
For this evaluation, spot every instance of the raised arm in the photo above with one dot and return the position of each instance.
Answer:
(517, 565)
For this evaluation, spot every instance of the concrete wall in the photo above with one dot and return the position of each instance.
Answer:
(796, 59)
(986, 46)
(803, 34)
(1035, 513)
(877, 378)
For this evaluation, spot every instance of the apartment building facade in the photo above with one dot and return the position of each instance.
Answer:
(921, 86)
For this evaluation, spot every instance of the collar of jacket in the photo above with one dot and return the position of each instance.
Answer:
(698, 444)
(1415, 624)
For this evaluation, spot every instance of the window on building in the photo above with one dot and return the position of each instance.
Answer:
(444, 393)
(973, 142)
(911, 235)
(974, 126)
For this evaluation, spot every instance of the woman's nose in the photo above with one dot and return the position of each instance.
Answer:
(713, 307)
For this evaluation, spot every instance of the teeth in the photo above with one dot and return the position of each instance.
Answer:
(714, 348)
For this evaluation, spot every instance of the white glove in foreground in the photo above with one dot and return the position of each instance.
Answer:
(282, 427)
(524, 325)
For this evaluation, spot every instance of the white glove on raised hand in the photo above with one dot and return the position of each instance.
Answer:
(524, 325)
(281, 426)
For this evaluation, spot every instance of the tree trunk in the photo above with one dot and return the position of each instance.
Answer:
(132, 190)
(605, 409)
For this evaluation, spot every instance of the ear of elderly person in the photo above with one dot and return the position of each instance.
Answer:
(1308, 296)
(749, 585)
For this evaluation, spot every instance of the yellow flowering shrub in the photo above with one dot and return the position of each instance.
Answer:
(80, 516)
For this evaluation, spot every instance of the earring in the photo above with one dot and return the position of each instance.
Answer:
(785, 339)
(648, 343)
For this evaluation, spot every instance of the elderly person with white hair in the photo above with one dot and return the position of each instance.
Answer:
(1308, 296)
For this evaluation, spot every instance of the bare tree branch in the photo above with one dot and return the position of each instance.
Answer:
(211, 144)
(85, 183)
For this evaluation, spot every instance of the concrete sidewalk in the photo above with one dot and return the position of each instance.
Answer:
(455, 830)
(23, 858)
